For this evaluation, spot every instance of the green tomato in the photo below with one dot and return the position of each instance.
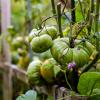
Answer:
(41, 43)
(15, 57)
(47, 69)
(80, 57)
(63, 54)
(50, 30)
(87, 46)
(57, 49)
(32, 34)
(45, 55)
(17, 42)
(33, 72)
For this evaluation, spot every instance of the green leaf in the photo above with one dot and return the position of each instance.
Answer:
(30, 95)
(89, 81)
(56, 70)
(94, 97)
(96, 91)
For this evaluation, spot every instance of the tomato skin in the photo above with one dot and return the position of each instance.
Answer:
(33, 72)
(88, 47)
(17, 43)
(42, 43)
(80, 57)
(32, 34)
(50, 30)
(47, 70)
(45, 55)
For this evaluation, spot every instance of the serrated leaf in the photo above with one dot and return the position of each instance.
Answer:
(88, 81)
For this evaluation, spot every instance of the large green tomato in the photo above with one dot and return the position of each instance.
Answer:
(41, 43)
(33, 72)
(63, 54)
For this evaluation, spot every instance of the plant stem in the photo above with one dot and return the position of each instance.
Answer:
(90, 19)
(59, 19)
(73, 21)
(73, 11)
(53, 7)
(88, 66)
(97, 15)
(68, 82)
(96, 23)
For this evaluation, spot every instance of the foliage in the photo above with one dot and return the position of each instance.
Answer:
(70, 37)
(29, 95)
(88, 82)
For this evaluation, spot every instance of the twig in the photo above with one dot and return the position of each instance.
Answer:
(59, 19)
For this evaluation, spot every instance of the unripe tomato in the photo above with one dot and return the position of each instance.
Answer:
(41, 43)
(47, 70)
(80, 57)
(33, 72)
(33, 34)
(45, 55)
(50, 30)
(63, 54)
(88, 47)
(17, 42)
